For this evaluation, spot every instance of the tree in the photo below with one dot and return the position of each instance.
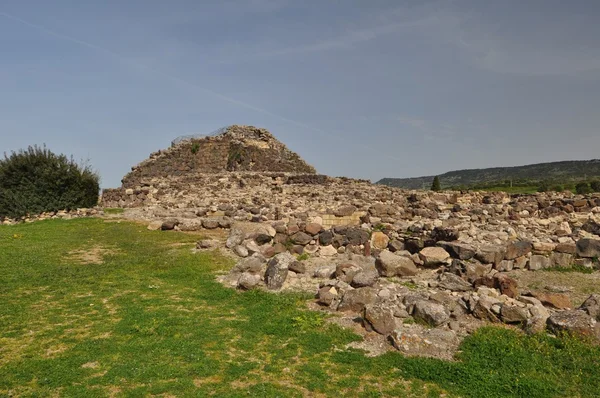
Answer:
(543, 187)
(435, 185)
(36, 180)
(583, 188)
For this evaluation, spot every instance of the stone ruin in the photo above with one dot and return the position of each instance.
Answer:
(419, 269)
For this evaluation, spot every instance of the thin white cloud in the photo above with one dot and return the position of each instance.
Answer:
(429, 129)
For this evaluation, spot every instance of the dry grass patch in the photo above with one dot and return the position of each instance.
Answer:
(91, 255)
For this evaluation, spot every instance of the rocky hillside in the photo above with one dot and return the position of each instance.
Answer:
(559, 172)
(236, 148)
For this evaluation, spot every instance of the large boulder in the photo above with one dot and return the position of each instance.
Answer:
(517, 249)
(433, 256)
(356, 299)
(389, 264)
(380, 317)
(588, 248)
(277, 270)
(431, 313)
(592, 306)
(459, 250)
(573, 321)
(453, 282)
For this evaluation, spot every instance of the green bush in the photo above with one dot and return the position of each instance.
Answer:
(558, 188)
(595, 185)
(36, 180)
(583, 188)
(543, 187)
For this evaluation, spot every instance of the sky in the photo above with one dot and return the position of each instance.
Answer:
(363, 89)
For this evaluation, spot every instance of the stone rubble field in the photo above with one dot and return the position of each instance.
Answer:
(418, 269)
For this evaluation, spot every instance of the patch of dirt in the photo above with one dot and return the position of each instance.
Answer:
(90, 365)
(577, 285)
(92, 255)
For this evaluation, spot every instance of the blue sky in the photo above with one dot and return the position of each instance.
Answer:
(365, 89)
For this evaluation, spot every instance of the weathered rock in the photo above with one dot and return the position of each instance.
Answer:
(453, 282)
(588, 248)
(277, 270)
(491, 254)
(389, 264)
(562, 260)
(357, 236)
(365, 278)
(236, 237)
(301, 238)
(517, 249)
(252, 264)
(433, 314)
(592, 306)
(261, 239)
(380, 317)
(326, 271)
(514, 314)
(210, 223)
(169, 225)
(433, 256)
(356, 299)
(483, 309)
(327, 295)
(298, 267)
(248, 281)
(554, 300)
(346, 271)
(241, 251)
(313, 228)
(379, 240)
(537, 262)
(345, 211)
(459, 250)
(395, 246)
(325, 238)
(507, 285)
(327, 251)
(573, 321)
(155, 225)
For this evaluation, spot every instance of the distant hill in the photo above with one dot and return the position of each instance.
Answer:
(553, 172)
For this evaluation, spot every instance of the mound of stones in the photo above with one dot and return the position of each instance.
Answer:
(423, 291)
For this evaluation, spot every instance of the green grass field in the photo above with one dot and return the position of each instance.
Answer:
(90, 308)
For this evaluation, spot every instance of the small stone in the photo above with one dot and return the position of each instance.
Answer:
(327, 251)
(298, 267)
(169, 225)
(513, 314)
(453, 282)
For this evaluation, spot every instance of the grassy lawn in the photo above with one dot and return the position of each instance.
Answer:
(92, 309)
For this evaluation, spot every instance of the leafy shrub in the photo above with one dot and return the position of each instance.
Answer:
(36, 180)
(543, 187)
(558, 188)
(595, 185)
(195, 148)
(583, 188)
